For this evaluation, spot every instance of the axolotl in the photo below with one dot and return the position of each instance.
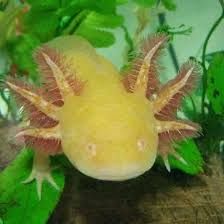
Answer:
(110, 127)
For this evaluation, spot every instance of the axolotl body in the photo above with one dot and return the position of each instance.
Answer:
(110, 127)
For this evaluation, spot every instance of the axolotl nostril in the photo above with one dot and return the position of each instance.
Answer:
(110, 127)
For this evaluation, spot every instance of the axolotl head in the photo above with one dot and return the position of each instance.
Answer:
(109, 138)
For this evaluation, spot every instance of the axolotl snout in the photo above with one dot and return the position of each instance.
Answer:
(120, 149)
(110, 127)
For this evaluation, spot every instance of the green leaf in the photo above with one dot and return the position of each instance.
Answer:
(7, 22)
(169, 5)
(190, 153)
(121, 2)
(98, 38)
(100, 6)
(179, 30)
(209, 57)
(21, 51)
(44, 5)
(41, 24)
(19, 202)
(191, 106)
(146, 3)
(215, 90)
(93, 28)
(103, 20)
(3, 4)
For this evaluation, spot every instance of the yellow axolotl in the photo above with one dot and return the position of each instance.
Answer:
(110, 127)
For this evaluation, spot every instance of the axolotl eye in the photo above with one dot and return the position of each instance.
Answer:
(91, 147)
(141, 144)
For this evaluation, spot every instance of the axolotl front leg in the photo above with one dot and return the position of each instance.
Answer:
(41, 171)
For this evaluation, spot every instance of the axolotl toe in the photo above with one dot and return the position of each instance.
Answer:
(110, 127)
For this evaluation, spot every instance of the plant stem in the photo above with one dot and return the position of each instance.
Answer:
(172, 53)
(173, 56)
(129, 42)
(222, 4)
(205, 74)
(75, 22)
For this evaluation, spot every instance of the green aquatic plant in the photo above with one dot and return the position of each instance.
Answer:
(18, 202)
(45, 20)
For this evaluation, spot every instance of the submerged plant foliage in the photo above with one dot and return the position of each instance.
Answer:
(19, 202)
(25, 25)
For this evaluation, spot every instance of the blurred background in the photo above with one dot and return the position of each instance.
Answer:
(200, 15)
(197, 16)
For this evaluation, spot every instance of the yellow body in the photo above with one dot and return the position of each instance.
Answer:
(107, 133)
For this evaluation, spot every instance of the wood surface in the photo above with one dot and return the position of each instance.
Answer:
(157, 197)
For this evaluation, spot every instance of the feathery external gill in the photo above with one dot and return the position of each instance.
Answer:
(171, 94)
(43, 104)
(165, 99)
(143, 74)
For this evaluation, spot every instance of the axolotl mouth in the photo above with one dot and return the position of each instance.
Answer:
(120, 165)
(112, 174)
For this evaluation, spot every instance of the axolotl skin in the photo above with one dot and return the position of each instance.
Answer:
(110, 127)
